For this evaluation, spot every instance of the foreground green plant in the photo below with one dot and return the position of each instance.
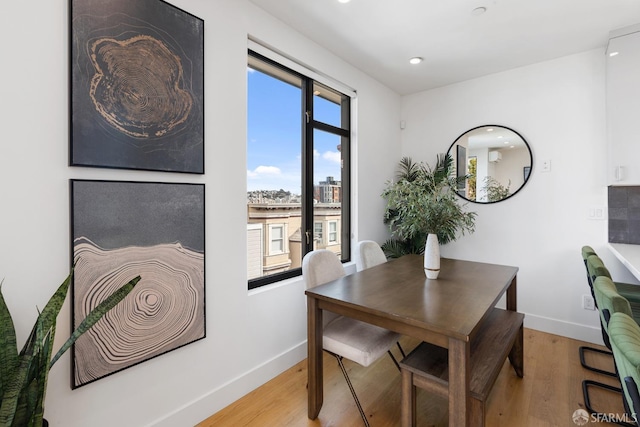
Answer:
(23, 376)
(422, 201)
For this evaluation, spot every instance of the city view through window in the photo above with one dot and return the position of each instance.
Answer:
(285, 142)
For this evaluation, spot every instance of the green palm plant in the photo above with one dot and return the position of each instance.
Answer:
(23, 376)
(422, 201)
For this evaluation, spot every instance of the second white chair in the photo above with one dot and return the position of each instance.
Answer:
(344, 337)
(369, 254)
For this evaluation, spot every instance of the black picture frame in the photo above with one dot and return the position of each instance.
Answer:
(137, 86)
(122, 229)
(461, 167)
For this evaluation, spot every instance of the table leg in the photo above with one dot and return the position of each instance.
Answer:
(516, 355)
(512, 295)
(314, 357)
(459, 382)
(408, 401)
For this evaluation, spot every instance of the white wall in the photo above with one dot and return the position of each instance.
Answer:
(559, 108)
(250, 337)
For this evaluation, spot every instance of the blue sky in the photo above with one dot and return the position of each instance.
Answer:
(274, 135)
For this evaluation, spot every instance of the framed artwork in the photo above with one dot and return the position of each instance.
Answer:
(120, 230)
(137, 86)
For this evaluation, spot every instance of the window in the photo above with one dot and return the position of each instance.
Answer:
(333, 232)
(317, 232)
(298, 147)
(276, 235)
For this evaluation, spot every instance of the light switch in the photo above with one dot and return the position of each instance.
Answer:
(546, 166)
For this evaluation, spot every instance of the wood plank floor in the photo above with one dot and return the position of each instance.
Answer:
(548, 395)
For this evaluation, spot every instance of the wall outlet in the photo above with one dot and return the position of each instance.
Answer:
(588, 303)
(597, 212)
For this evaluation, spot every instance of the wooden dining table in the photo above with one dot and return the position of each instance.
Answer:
(396, 295)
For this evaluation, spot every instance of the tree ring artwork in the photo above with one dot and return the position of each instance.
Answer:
(121, 230)
(137, 86)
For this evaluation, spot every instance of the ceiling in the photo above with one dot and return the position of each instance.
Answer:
(379, 36)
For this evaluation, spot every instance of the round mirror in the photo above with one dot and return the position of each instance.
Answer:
(496, 161)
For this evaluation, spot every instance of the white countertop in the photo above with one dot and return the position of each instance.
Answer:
(629, 256)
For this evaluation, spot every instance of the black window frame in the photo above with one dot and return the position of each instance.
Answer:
(309, 125)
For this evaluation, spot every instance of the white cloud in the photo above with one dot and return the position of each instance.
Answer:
(332, 156)
(264, 171)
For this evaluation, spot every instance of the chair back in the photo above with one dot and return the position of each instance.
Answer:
(609, 301)
(625, 342)
(319, 267)
(369, 254)
(596, 267)
(587, 251)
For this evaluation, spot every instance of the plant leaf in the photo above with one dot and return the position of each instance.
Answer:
(8, 346)
(95, 315)
(20, 380)
(9, 414)
(38, 385)
(47, 318)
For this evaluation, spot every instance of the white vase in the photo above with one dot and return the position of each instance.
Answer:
(432, 257)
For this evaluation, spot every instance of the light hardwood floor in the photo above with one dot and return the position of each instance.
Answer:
(548, 395)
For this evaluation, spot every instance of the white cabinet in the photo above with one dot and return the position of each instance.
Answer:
(623, 106)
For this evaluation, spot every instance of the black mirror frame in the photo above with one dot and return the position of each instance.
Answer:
(526, 171)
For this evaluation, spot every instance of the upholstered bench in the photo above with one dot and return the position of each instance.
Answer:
(427, 366)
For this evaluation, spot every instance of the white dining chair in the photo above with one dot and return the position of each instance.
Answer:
(369, 254)
(344, 337)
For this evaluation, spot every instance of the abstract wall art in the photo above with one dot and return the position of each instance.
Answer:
(123, 229)
(137, 86)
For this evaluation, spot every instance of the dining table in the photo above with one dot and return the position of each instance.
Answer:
(446, 312)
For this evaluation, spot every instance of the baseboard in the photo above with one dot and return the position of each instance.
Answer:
(566, 329)
(203, 407)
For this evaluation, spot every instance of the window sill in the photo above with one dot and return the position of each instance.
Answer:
(349, 267)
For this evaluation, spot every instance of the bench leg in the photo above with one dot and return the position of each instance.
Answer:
(516, 355)
(408, 399)
(476, 413)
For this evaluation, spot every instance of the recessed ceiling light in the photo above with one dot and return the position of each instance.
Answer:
(416, 60)
(490, 130)
(478, 11)
(613, 53)
(344, 1)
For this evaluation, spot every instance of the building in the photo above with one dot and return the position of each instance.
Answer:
(329, 191)
(274, 235)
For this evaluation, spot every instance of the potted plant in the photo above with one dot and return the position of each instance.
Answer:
(423, 210)
(23, 376)
(494, 190)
